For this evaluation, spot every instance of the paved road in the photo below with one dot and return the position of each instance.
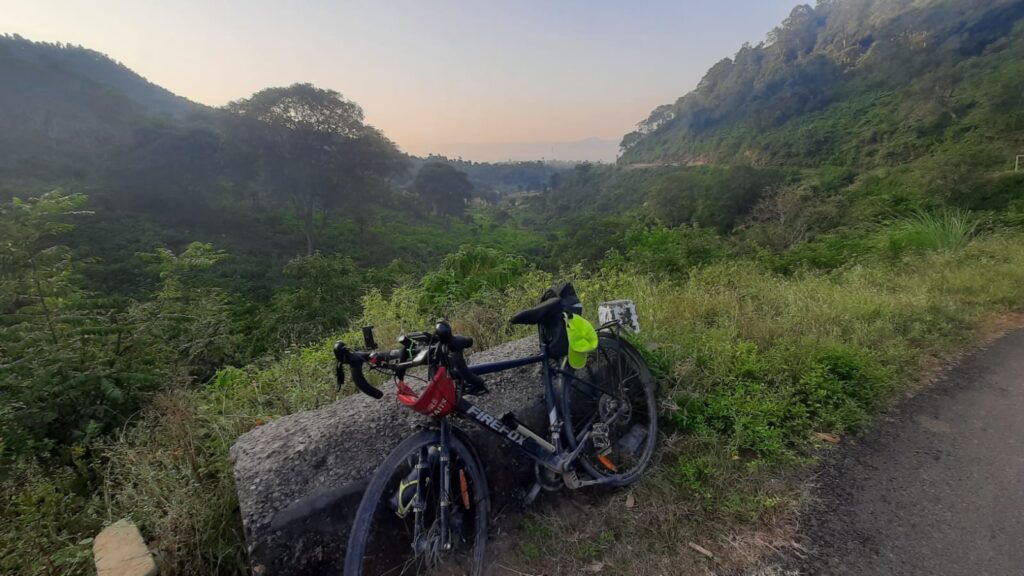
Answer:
(939, 488)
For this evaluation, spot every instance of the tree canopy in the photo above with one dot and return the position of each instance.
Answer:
(443, 188)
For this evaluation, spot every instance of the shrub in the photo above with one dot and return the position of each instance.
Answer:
(322, 294)
(924, 231)
(826, 252)
(674, 251)
(72, 364)
(471, 274)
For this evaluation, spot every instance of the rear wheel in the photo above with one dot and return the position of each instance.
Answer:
(612, 398)
(389, 537)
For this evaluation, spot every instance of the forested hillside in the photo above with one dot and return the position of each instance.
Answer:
(857, 83)
(804, 233)
(66, 107)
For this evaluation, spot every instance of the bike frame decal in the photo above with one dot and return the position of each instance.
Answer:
(544, 455)
(494, 424)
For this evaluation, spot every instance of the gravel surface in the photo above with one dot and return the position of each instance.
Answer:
(937, 488)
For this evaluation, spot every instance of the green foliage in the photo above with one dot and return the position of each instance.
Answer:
(996, 192)
(692, 474)
(947, 230)
(48, 522)
(321, 296)
(844, 83)
(492, 180)
(829, 251)
(67, 373)
(674, 251)
(190, 319)
(711, 197)
(473, 274)
(443, 188)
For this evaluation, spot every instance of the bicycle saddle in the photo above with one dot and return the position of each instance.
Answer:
(539, 313)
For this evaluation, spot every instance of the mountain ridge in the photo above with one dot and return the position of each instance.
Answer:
(879, 74)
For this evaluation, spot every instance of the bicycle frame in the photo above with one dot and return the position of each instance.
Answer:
(547, 454)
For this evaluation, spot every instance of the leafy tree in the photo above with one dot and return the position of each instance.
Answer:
(326, 156)
(305, 108)
(443, 188)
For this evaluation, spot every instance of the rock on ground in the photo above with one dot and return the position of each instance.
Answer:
(119, 550)
(300, 478)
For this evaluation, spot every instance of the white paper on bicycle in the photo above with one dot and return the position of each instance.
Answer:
(621, 311)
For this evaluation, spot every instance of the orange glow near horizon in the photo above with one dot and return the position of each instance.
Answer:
(438, 76)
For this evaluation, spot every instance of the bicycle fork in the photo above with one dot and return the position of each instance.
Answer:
(424, 542)
(446, 484)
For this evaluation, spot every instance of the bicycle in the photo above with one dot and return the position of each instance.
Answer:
(431, 491)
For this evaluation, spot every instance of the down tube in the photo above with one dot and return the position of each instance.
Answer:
(520, 436)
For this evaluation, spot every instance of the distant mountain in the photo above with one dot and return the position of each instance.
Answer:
(856, 83)
(63, 105)
(94, 72)
(586, 150)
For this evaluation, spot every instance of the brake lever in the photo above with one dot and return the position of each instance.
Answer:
(339, 377)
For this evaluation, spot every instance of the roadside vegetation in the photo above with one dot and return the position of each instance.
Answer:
(756, 367)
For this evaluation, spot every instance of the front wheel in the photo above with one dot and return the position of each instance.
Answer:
(397, 528)
(609, 405)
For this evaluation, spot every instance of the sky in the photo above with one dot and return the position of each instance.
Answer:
(487, 80)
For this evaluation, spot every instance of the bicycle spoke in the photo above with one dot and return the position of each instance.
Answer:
(584, 428)
(591, 385)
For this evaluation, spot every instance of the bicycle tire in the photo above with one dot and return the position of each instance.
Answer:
(373, 508)
(579, 407)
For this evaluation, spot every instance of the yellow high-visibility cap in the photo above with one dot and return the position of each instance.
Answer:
(582, 339)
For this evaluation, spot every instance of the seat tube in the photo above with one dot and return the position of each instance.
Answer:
(551, 403)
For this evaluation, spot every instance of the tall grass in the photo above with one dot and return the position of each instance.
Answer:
(947, 229)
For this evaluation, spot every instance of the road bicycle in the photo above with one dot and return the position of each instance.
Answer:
(425, 510)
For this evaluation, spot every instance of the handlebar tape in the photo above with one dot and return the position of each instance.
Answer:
(460, 343)
(357, 376)
(355, 361)
(456, 345)
(464, 371)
